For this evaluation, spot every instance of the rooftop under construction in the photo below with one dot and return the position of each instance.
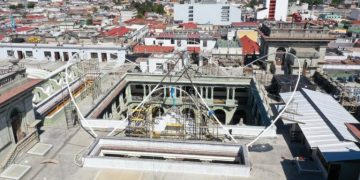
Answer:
(189, 121)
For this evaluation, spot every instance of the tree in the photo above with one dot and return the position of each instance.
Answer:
(147, 6)
(312, 2)
(94, 9)
(335, 2)
(31, 5)
(89, 21)
(252, 3)
(106, 8)
(13, 7)
(117, 2)
(20, 6)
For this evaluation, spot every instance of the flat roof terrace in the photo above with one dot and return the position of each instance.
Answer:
(192, 157)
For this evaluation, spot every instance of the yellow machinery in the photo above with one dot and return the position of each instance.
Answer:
(34, 39)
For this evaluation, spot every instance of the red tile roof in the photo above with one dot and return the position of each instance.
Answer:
(118, 31)
(189, 25)
(157, 26)
(17, 90)
(35, 17)
(355, 22)
(166, 35)
(244, 24)
(152, 49)
(354, 128)
(153, 24)
(193, 35)
(249, 46)
(21, 29)
(194, 49)
(2, 37)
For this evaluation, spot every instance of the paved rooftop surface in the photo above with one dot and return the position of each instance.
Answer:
(58, 163)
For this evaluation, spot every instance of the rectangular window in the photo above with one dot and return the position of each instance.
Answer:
(205, 43)
(193, 41)
(29, 53)
(113, 56)
(191, 19)
(179, 43)
(172, 41)
(47, 54)
(159, 66)
(94, 55)
(191, 7)
(10, 53)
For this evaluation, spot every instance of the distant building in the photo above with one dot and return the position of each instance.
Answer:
(355, 14)
(273, 10)
(183, 40)
(207, 13)
(308, 44)
(64, 52)
(332, 16)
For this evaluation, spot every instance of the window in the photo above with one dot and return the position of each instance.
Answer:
(179, 43)
(29, 53)
(10, 53)
(190, 15)
(159, 66)
(113, 56)
(205, 43)
(47, 54)
(172, 41)
(191, 7)
(154, 42)
(191, 19)
(94, 55)
(193, 41)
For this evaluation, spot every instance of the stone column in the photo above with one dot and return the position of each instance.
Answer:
(201, 91)
(227, 93)
(144, 90)
(207, 92)
(180, 91)
(233, 90)
(212, 93)
(164, 91)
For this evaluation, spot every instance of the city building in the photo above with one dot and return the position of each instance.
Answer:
(273, 10)
(207, 12)
(308, 44)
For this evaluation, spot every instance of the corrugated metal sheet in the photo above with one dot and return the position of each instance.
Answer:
(324, 126)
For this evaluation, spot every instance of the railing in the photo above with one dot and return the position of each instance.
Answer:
(23, 145)
(10, 76)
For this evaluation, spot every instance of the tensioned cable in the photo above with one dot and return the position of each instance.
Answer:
(286, 104)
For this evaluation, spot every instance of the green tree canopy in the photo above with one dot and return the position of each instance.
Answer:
(31, 5)
(147, 6)
(20, 6)
(252, 3)
(12, 7)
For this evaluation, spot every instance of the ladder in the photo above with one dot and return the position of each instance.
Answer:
(70, 117)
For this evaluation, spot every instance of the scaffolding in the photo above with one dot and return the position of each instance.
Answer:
(90, 76)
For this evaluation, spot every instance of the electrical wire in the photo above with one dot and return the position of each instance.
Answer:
(286, 104)
(93, 134)
(208, 108)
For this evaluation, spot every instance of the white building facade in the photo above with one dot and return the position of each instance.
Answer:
(215, 14)
(273, 10)
(65, 52)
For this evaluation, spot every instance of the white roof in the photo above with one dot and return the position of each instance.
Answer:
(324, 120)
